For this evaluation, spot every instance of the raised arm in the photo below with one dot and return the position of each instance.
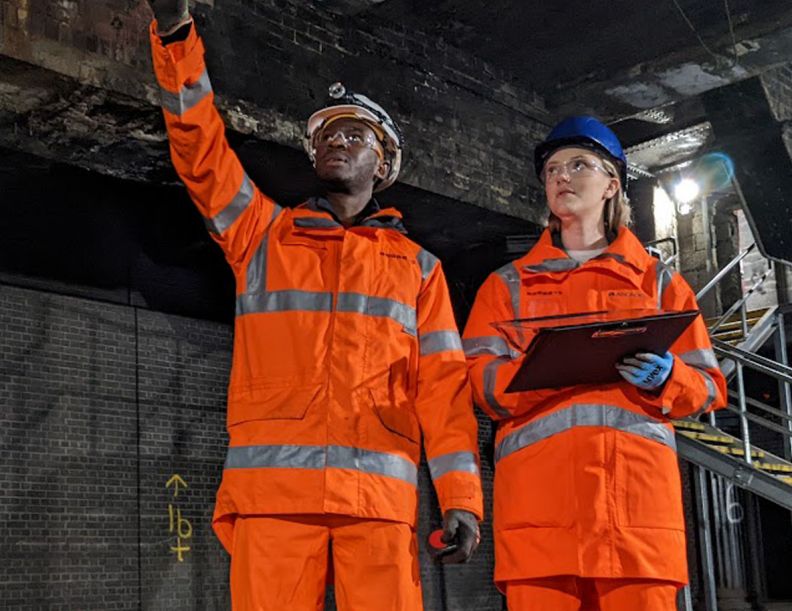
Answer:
(235, 212)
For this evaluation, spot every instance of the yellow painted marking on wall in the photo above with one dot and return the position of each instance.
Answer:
(180, 549)
(175, 481)
(177, 524)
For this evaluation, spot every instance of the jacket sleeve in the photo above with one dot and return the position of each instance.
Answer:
(443, 400)
(235, 212)
(696, 384)
(492, 361)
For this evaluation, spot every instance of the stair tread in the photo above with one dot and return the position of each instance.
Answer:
(738, 451)
(736, 316)
(708, 437)
(728, 336)
(689, 425)
(766, 466)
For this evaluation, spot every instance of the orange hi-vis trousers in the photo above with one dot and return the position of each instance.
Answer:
(280, 563)
(569, 593)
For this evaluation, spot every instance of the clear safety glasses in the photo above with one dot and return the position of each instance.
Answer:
(349, 137)
(577, 167)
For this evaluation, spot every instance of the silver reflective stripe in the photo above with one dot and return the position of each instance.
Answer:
(286, 457)
(319, 223)
(379, 306)
(226, 217)
(511, 278)
(464, 462)
(439, 341)
(703, 359)
(553, 265)
(712, 392)
(257, 266)
(427, 262)
(664, 275)
(490, 379)
(479, 346)
(368, 461)
(596, 415)
(283, 301)
(319, 457)
(187, 97)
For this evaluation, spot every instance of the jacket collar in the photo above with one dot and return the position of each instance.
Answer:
(321, 215)
(625, 252)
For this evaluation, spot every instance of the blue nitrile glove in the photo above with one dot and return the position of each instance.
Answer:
(646, 370)
(461, 528)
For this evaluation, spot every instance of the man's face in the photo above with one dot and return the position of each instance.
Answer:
(348, 156)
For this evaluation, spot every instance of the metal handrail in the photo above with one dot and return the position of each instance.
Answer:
(759, 420)
(740, 303)
(755, 361)
(762, 406)
(728, 267)
(674, 245)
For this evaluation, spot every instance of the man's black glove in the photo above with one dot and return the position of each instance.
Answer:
(460, 527)
(170, 14)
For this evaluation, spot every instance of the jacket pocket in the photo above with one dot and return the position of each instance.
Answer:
(265, 402)
(305, 241)
(648, 486)
(398, 420)
(534, 486)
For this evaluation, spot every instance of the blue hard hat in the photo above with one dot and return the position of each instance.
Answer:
(586, 132)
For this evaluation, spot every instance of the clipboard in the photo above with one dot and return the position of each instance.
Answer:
(584, 348)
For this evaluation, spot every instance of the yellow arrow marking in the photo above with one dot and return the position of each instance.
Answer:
(175, 481)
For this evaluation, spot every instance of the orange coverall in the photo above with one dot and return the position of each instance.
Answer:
(586, 481)
(345, 352)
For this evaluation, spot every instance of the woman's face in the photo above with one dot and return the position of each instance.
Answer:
(577, 184)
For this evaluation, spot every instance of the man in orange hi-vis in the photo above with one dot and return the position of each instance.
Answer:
(346, 351)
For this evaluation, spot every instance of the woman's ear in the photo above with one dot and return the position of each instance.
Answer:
(613, 189)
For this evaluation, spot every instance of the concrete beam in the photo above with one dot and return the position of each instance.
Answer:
(56, 118)
(747, 131)
(468, 130)
(688, 73)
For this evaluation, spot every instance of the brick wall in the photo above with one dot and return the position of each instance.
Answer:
(469, 130)
(68, 525)
(112, 439)
(695, 257)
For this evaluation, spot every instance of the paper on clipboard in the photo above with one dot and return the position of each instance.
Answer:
(583, 348)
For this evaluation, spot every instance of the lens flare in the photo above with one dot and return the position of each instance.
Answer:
(714, 172)
(686, 190)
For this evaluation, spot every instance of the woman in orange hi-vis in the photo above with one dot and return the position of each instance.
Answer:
(346, 355)
(588, 508)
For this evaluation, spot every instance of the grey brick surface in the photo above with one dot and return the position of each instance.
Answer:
(102, 405)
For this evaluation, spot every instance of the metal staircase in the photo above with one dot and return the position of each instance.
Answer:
(767, 475)
(731, 457)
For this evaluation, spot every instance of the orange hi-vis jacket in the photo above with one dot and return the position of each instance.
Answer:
(586, 479)
(345, 350)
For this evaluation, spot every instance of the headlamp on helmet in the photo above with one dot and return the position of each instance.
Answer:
(346, 104)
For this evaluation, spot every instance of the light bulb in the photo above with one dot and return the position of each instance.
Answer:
(686, 191)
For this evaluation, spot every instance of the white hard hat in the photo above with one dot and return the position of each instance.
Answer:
(359, 107)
